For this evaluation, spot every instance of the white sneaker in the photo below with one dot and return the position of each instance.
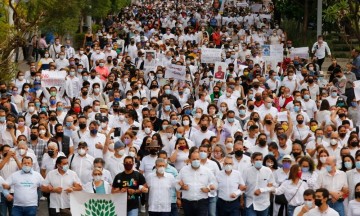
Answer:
(43, 198)
(143, 209)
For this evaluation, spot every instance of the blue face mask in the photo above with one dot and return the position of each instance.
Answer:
(94, 131)
(68, 124)
(187, 112)
(59, 108)
(348, 165)
(357, 164)
(230, 120)
(37, 104)
(52, 102)
(306, 97)
(296, 108)
(43, 109)
(173, 122)
(195, 163)
(116, 99)
(2, 119)
(178, 135)
(167, 108)
(258, 164)
(354, 104)
(305, 169)
(65, 168)
(242, 112)
(328, 168)
(203, 155)
(251, 96)
(333, 94)
(26, 169)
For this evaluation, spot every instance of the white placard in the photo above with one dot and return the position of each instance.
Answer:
(302, 52)
(210, 55)
(53, 78)
(220, 71)
(176, 72)
(357, 90)
(282, 116)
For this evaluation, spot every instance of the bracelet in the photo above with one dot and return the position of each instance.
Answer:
(178, 198)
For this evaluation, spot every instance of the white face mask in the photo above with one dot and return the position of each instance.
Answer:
(111, 146)
(98, 177)
(81, 151)
(333, 141)
(42, 132)
(103, 125)
(186, 122)
(228, 167)
(323, 159)
(22, 151)
(229, 145)
(121, 152)
(132, 154)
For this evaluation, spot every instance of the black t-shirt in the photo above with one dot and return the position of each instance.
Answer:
(131, 181)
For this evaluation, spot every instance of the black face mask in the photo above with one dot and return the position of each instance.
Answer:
(128, 61)
(268, 121)
(82, 125)
(152, 118)
(300, 121)
(262, 142)
(153, 104)
(296, 154)
(310, 81)
(354, 143)
(52, 118)
(3, 91)
(203, 128)
(258, 98)
(51, 153)
(92, 76)
(4, 155)
(153, 151)
(33, 136)
(109, 61)
(84, 93)
(9, 126)
(357, 194)
(342, 135)
(251, 107)
(238, 153)
(256, 86)
(318, 202)
(256, 119)
(135, 104)
(59, 134)
(342, 115)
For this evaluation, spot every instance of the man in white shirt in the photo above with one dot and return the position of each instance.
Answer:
(321, 201)
(309, 198)
(114, 161)
(82, 163)
(258, 180)
(148, 162)
(61, 62)
(309, 105)
(195, 182)
(228, 98)
(95, 140)
(97, 55)
(319, 50)
(335, 181)
(229, 183)
(60, 182)
(241, 161)
(199, 135)
(84, 60)
(55, 49)
(161, 185)
(260, 145)
(25, 184)
(268, 109)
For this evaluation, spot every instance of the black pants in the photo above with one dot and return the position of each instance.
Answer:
(320, 62)
(61, 212)
(226, 208)
(198, 208)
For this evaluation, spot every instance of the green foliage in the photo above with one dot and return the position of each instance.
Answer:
(99, 9)
(118, 4)
(78, 40)
(332, 12)
(100, 207)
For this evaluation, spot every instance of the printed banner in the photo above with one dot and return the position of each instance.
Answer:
(210, 55)
(89, 204)
(302, 52)
(176, 72)
(220, 71)
(53, 78)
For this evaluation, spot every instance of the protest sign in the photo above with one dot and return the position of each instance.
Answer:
(210, 55)
(82, 203)
(175, 71)
(302, 52)
(53, 78)
(357, 90)
(220, 71)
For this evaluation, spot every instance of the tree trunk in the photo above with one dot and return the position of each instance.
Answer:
(306, 18)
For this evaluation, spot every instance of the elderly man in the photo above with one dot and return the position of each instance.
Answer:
(335, 182)
(23, 151)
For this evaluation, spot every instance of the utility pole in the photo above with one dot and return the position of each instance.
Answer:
(319, 17)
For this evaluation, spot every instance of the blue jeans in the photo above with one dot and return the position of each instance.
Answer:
(337, 206)
(24, 211)
(198, 207)
(291, 209)
(251, 212)
(133, 212)
(212, 206)
(6, 205)
(174, 210)
(225, 208)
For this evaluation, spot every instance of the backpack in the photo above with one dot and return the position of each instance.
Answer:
(213, 22)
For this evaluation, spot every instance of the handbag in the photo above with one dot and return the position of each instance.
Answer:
(281, 199)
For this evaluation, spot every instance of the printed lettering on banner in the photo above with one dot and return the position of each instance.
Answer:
(53, 78)
(175, 71)
(302, 52)
(210, 55)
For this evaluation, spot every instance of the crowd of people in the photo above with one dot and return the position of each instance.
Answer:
(270, 140)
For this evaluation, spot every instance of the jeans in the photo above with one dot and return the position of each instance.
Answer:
(212, 206)
(133, 212)
(251, 212)
(6, 205)
(24, 211)
(337, 206)
(159, 213)
(225, 208)
(291, 209)
(174, 210)
(198, 207)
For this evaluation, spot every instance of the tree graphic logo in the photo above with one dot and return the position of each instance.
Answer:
(99, 207)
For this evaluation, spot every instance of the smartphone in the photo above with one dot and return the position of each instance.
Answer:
(117, 132)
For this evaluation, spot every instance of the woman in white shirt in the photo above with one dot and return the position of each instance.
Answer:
(19, 81)
(179, 155)
(301, 131)
(323, 115)
(354, 205)
(308, 171)
(293, 189)
(22, 129)
(17, 99)
(98, 185)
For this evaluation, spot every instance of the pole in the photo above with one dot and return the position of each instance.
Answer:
(319, 18)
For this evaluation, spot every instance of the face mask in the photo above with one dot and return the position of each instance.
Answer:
(305, 169)
(296, 108)
(228, 167)
(299, 174)
(167, 108)
(111, 146)
(318, 202)
(132, 154)
(354, 143)
(300, 121)
(98, 177)
(203, 155)
(153, 151)
(195, 163)
(81, 151)
(258, 164)
(26, 169)
(186, 122)
(230, 120)
(268, 164)
(167, 91)
(33, 137)
(203, 128)
(93, 131)
(22, 151)
(262, 142)
(128, 167)
(147, 130)
(229, 145)
(160, 170)
(348, 165)
(65, 168)
(51, 153)
(333, 141)
(333, 94)
(121, 152)
(313, 128)
(31, 109)
(309, 204)
(286, 165)
(328, 168)
(59, 134)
